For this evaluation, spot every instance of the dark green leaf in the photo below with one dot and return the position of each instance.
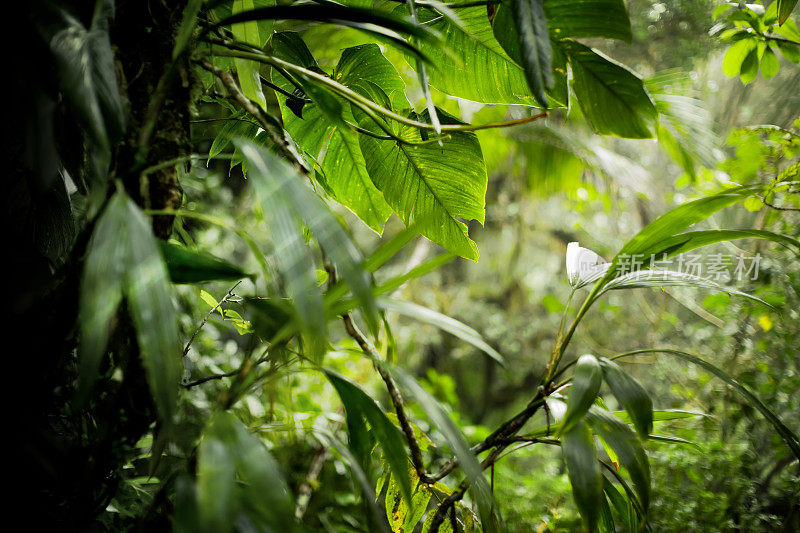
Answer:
(101, 290)
(585, 386)
(588, 18)
(631, 396)
(534, 46)
(583, 470)
(785, 8)
(612, 97)
(360, 407)
(189, 266)
(627, 447)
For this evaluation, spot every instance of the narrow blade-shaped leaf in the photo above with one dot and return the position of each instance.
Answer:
(190, 266)
(534, 46)
(627, 447)
(585, 386)
(101, 290)
(443, 322)
(631, 396)
(358, 407)
(789, 436)
(583, 470)
(479, 488)
(148, 293)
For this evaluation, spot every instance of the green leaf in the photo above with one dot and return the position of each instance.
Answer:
(735, 56)
(189, 266)
(359, 407)
(329, 440)
(341, 159)
(749, 69)
(661, 415)
(123, 259)
(667, 226)
(684, 242)
(188, 24)
(279, 183)
(785, 8)
(247, 70)
(150, 306)
(435, 185)
(630, 395)
(588, 18)
(612, 97)
(228, 451)
(238, 125)
(479, 488)
(627, 447)
(443, 322)
(583, 471)
(769, 63)
(215, 485)
(534, 46)
(471, 64)
(585, 386)
(789, 436)
(101, 291)
(87, 77)
(661, 278)
(505, 31)
(789, 51)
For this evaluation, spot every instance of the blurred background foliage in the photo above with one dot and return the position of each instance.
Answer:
(549, 184)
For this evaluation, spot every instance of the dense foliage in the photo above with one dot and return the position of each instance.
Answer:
(316, 265)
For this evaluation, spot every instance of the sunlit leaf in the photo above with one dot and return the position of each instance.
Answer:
(434, 185)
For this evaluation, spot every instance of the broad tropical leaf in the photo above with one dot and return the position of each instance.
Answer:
(434, 185)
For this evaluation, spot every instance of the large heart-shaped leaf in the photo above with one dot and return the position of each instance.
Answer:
(335, 147)
(433, 184)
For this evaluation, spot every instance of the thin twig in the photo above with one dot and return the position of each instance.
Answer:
(208, 315)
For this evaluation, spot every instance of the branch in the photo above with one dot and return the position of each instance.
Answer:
(208, 315)
(354, 97)
(270, 125)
